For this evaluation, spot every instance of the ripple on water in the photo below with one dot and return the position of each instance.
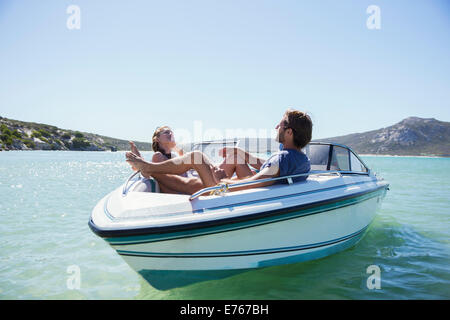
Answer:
(46, 199)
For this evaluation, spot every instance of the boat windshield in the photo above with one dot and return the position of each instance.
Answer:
(327, 156)
(323, 156)
(211, 148)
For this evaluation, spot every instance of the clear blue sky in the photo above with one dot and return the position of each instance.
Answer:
(135, 65)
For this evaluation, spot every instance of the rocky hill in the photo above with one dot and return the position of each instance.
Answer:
(19, 135)
(412, 136)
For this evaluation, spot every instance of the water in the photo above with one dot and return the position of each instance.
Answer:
(46, 198)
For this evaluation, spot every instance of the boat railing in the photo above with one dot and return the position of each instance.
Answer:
(125, 190)
(221, 188)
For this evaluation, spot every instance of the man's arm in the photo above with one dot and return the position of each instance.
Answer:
(268, 172)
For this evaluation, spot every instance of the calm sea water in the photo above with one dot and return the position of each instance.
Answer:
(46, 199)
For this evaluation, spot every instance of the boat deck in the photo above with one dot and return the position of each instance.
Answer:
(141, 209)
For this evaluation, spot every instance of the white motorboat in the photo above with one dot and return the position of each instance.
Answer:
(216, 229)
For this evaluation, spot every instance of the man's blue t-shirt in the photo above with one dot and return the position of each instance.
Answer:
(290, 162)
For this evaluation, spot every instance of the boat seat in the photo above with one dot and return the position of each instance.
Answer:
(145, 185)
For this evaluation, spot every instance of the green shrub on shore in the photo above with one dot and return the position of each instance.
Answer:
(45, 133)
(30, 144)
(16, 134)
(36, 134)
(79, 135)
(5, 130)
(66, 136)
(44, 139)
(79, 143)
(7, 139)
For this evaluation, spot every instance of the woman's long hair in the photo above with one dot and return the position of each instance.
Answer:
(155, 144)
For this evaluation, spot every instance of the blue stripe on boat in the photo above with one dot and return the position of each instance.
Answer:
(127, 240)
(240, 253)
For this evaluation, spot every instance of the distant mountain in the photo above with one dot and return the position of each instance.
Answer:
(19, 135)
(412, 136)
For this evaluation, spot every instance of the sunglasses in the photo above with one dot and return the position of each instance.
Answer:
(167, 131)
(285, 126)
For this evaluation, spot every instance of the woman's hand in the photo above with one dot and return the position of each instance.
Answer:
(219, 174)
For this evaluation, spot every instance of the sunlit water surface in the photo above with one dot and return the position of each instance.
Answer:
(46, 198)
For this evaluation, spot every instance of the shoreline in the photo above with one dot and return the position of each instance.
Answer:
(398, 156)
(361, 155)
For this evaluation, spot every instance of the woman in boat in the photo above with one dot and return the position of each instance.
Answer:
(165, 148)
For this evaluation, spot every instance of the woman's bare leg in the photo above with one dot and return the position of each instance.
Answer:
(172, 183)
(165, 189)
(234, 164)
(193, 160)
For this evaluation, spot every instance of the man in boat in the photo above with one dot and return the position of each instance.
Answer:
(294, 133)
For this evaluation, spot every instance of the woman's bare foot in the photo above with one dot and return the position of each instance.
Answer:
(134, 149)
(138, 163)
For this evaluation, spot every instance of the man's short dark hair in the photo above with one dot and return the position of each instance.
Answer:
(301, 125)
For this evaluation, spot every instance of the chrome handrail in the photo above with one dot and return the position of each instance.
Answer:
(124, 191)
(236, 185)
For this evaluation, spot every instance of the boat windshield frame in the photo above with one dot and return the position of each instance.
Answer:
(350, 150)
(221, 188)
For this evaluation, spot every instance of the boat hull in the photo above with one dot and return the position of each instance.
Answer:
(299, 235)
